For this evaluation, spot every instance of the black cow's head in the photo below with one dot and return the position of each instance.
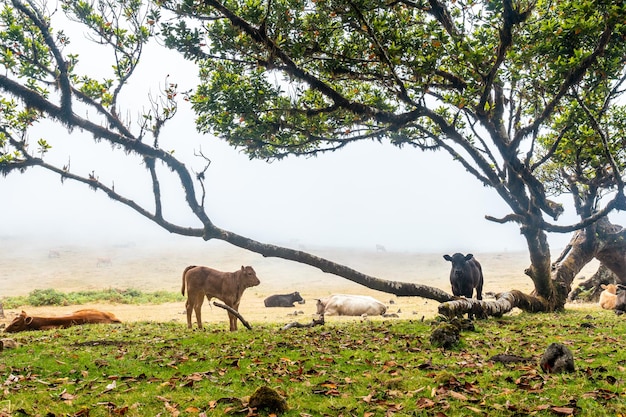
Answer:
(459, 262)
(297, 297)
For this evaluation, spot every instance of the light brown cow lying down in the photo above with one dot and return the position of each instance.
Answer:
(202, 281)
(26, 322)
(608, 297)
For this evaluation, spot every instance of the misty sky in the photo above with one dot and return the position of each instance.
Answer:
(363, 195)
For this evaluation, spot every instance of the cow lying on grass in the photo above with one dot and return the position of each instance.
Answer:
(608, 296)
(25, 322)
(283, 300)
(350, 305)
(202, 281)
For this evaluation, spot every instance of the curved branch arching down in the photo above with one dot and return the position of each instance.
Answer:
(401, 289)
(504, 303)
(210, 231)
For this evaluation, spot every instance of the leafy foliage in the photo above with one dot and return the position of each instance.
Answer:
(52, 297)
(484, 81)
(296, 77)
(361, 368)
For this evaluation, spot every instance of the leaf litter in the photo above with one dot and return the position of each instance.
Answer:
(359, 369)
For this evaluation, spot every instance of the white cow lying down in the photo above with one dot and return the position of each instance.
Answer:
(350, 305)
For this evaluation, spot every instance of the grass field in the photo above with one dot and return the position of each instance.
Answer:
(357, 368)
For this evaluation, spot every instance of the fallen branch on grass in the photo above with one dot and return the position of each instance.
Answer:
(504, 303)
(506, 358)
(318, 322)
(234, 312)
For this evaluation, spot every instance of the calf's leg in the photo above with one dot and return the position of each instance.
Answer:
(198, 309)
(232, 318)
(233, 321)
(189, 309)
(194, 303)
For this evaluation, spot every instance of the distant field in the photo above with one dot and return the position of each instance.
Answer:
(28, 266)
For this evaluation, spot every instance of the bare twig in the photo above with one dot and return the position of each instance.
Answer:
(318, 322)
(200, 175)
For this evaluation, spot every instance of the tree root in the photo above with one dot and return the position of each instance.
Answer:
(504, 303)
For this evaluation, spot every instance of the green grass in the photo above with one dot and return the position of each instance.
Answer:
(52, 297)
(361, 368)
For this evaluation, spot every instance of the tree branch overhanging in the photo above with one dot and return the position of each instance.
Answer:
(63, 77)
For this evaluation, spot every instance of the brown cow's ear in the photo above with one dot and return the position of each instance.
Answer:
(242, 268)
(28, 320)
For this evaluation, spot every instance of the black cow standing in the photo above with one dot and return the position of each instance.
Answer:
(465, 275)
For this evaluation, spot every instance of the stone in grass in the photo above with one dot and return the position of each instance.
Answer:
(446, 335)
(463, 324)
(8, 344)
(265, 398)
(556, 359)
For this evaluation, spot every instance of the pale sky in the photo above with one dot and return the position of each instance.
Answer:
(363, 195)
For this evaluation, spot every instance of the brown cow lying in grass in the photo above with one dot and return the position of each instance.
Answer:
(202, 281)
(26, 322)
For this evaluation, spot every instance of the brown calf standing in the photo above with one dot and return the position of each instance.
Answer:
(203, 281)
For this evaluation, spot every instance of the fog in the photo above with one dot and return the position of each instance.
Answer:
(365, 195)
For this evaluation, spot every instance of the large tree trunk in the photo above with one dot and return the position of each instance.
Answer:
(593, 285)
(610, 240)
(580, 251)
(603, 240)
(612, 249)
(540, 267)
